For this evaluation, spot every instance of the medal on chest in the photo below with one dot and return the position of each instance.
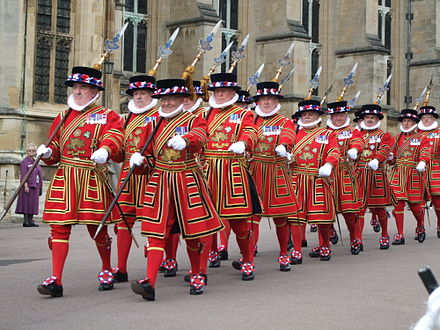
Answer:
(96, 118)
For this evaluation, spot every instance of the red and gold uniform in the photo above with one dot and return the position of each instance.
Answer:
(131, 195)
(269, 168)
(79, 192)
(374, 187)
(407, 183)
(314, 147)
(233, 191)
(175, 191)
(432, 133)
(345, 188)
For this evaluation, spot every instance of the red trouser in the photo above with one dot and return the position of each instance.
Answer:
(417, 211)
(59, 243)
(123, 240)
(381, 214)
(297, 235)
(436, 203)
(353, 225)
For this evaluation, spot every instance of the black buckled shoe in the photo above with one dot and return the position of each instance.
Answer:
(334, 238)
(170, 268)
(284, 262)
(315, 252)
(214, 259)
(247, 271)
(106, 280)
(296, 258)
(223, 254)
(420, 234)
(384, 242)
(120, 277)
(325, 254)
(304, 243)
(144, 288)
(398, 239)
(197, 284)
(313, 228)
(375, 224)
(355, 247)
(50, 288)
(237, 264)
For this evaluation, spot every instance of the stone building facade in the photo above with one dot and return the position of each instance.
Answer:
(42, 39)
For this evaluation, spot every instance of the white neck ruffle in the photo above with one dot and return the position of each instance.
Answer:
(263, 114)
(172, 114)
(213, 104)
(330, 124)
(132, 108)
(76, 107)
(363, 126)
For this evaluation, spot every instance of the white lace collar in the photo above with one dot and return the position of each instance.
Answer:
(315, 123)
(213, 104)
(195, 106)
(260, 113)
(332, 126)
(363, 126)
(132, 107)
(172, 114)
(422, 127)
(76, 107)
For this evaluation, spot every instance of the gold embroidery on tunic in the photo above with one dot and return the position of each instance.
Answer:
(74, 147)
(170, 154)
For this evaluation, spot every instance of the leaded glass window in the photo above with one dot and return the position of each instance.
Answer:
(42, 69)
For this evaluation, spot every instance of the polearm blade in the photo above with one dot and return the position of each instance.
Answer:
(348, 81)
(221, 59)
(287, 78)
(124, 183)
(164, 51)
(283, 62)
(382, 90)
(327, 92)
(111, 45)
(354, 100)
(314, 83)
(254, 79)
(428, 92)
(31, 169)
(238, 54)
(205, 43)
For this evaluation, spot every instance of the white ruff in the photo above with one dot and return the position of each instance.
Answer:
(195, 106)
(422, 127)
(409, 129)
(172, 114)
(259, 112)
(132, 107)
(315, 123)
(76, 107)
(330, 124)
(213, 104)
(363, 126)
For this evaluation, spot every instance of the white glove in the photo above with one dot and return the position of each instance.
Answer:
(136, 159)
(237, 147)
(390, 156)
(421, 166)
(325, 170)
(374, 164)
(44, 151)
(177, 143)
(352, 153)
(100, 156)
(281, 150)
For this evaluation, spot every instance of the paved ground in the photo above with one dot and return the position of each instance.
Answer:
(375, 290)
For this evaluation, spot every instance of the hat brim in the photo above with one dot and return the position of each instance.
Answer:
(432, 114)
(402, 118)
(159, 96)
(131, 91)
(372, 114)
(69, 83)
(233, 87)
(298, 113)
(256, 97)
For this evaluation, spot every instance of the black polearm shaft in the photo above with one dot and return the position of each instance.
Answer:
(124, 183)
(31, 169)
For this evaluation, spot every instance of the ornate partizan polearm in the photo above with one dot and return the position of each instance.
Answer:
(254, 79)
(348, 81)
(238, 55)
(314, 83)
(34, 165)
(164, 51)
(283, 62)
(428, 92)
(354, 100)
(110, 45)
(286, 78)
(218, 60)
(327, 92)
(420, 98)
(382, 90)
(204, 46)
(124, 183)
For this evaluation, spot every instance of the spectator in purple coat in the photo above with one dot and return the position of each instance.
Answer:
(28, 203)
